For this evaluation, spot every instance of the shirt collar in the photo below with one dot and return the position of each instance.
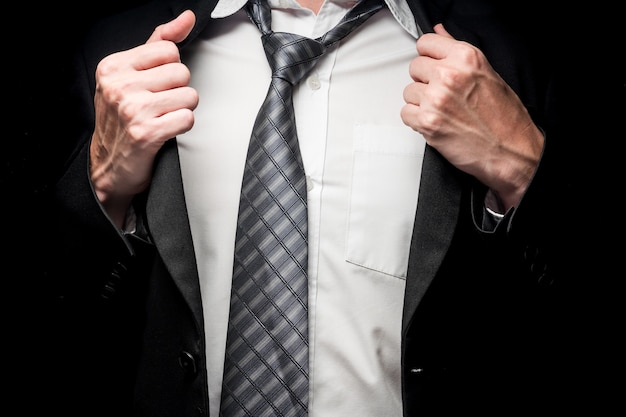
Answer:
(399, 9)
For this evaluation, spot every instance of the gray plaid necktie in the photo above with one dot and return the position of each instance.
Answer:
(266, 366)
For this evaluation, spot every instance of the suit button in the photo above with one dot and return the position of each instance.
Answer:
(530, 252)
(427, 373)
(187, 361)
(537, 265)
(115, 278)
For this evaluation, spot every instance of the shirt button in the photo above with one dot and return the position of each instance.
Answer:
(314, 82)
(309, 183)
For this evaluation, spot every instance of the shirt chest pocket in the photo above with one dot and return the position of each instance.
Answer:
(386, 167)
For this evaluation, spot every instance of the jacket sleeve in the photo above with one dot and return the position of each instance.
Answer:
(93, 256)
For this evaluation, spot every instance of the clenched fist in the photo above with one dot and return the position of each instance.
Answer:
(142, 99)
(466, 111)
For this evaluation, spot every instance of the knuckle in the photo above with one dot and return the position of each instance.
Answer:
(468, 55)
(188, 120)
(436, 98)
(406, 93)
(170, 49)
(194, 98)
(450, 77)
(106, 66)
(432, 123)
(181, 74)
(138, 132)
(113, 92)
(129, 109)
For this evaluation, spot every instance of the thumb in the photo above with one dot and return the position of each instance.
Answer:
(440, 30)
(175, 30)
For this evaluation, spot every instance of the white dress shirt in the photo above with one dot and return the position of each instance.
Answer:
(363, 170)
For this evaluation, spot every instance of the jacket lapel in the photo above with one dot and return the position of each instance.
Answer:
(421, 16)
(437, 211)
(435, 220)
(166, 211)
(166, 215)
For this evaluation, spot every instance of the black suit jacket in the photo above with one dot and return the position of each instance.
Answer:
(492, 321)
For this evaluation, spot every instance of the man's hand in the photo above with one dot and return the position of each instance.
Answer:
(466, 111)
(142, 99)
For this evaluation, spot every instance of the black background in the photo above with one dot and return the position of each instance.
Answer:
(35, 143)
(39, 40)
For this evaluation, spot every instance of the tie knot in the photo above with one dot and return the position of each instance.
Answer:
(291, 56)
